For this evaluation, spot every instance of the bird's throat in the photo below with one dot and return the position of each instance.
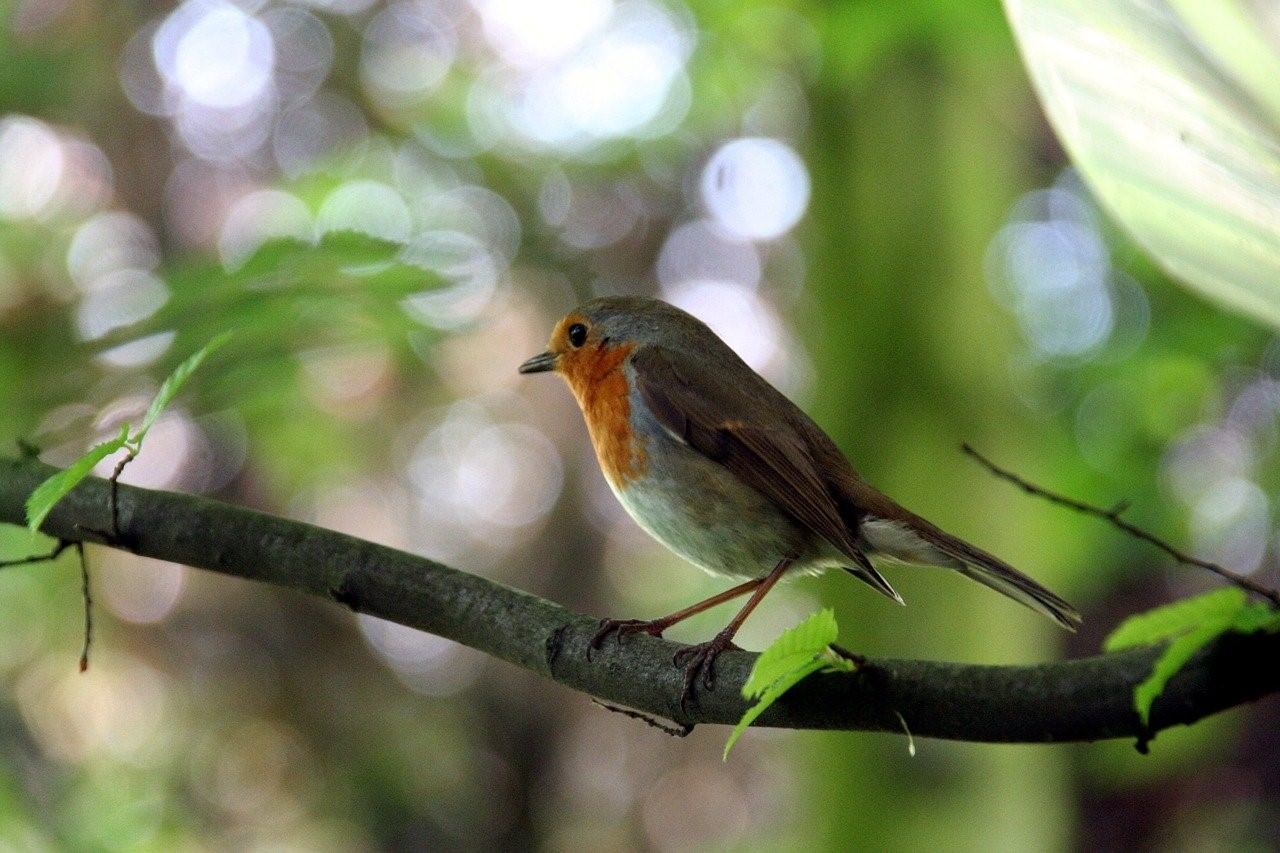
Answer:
(600, 384)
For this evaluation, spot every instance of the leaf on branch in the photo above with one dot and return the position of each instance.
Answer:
(1256, 617)
(54, 489)
(58, 486)
(1175, 657)
(173, 385)
(1154, 626)
(795, 655)
(1190, 625)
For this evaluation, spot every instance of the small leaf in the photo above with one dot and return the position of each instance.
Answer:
(1145, 629)
(770, 695)
(1173, 659)
(1256, 617)
(794, 656)
(173, 385)
(54, 489)
(793, 648)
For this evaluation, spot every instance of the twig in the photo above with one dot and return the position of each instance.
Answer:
(677, 730)
(113, 500)
(1113, 515)
(63, 544)
(88, 607)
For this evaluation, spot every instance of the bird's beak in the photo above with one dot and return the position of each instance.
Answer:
(540, 363)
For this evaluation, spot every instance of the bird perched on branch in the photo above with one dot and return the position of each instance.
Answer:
(719, 466)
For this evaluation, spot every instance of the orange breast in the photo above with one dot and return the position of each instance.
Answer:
(598, 381)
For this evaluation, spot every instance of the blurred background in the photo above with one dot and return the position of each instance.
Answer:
(391, 203)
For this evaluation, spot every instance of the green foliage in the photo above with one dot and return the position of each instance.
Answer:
(1254, 618)
(1174, 658)
(1190, 625)
(1145, 629)
(54, 489)
(291, 289)
(795, 655)
(172, 386)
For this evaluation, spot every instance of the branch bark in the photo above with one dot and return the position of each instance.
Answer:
(1075, 700)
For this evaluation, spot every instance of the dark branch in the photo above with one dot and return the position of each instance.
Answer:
(1113, 516)
(1086, 699)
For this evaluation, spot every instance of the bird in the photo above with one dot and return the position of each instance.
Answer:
(726, 471)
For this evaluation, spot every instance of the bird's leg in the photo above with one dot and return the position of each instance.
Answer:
(655, 627)
(702, 657)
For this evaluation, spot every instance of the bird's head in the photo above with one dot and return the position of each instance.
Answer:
(598, 334)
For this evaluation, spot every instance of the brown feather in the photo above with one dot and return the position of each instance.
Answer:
(723, 423)
(778, 450)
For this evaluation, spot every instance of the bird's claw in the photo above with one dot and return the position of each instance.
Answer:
(623, 627)
(701, 659)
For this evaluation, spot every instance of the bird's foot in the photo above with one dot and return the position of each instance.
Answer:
(623, 627)
(702, 660)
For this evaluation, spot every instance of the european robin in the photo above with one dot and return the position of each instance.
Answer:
(719, 466)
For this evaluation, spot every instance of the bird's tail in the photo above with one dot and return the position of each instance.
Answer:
(1013, 583)
(914, 540)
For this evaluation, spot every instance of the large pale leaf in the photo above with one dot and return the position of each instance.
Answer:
(1171, 111)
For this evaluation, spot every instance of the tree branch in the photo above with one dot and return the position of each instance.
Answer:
(1113, 516)
(1087, 699)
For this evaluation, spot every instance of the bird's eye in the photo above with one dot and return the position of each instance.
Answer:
(577, 335)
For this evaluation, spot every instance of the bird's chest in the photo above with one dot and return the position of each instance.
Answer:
(700, 510)
(604, 394)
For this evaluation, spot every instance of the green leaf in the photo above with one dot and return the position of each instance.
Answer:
(173, 385)
(1171, 113)
(1256, 617)
(794, 656)
(54, 489)
(1144, 629)
(1191, 623)
(1174, 658)
(770, 695)
(794, 648)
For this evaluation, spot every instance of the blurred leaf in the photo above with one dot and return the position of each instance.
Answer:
(173, 385)
(795, 655)
(1256, 617)
(1154, 626)
(1173, 659)
(54, 489)
(290, 290)
(1170, 110)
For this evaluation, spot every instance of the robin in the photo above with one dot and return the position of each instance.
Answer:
(716, 464)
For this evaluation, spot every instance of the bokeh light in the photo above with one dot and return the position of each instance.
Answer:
(31, 167)
(756, 189)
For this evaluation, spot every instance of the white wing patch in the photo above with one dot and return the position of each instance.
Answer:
(897, 541)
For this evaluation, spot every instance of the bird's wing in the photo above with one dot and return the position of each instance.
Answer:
(723, 422)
